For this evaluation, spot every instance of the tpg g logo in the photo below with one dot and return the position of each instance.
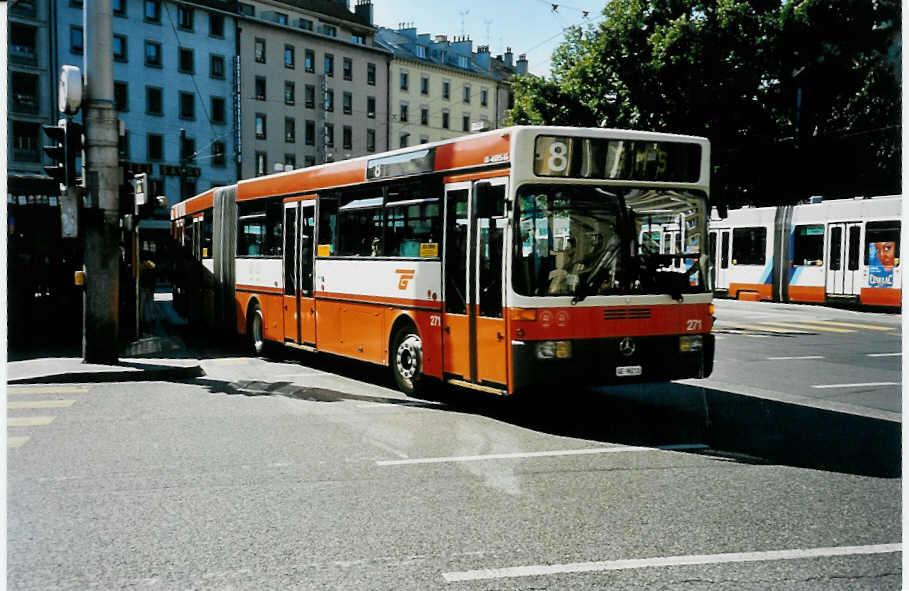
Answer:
(405, 275)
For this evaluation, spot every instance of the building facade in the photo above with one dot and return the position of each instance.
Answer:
(174, 88)
(313, 84)
(441, 88)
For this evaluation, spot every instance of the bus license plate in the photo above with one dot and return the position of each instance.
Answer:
(628, 370)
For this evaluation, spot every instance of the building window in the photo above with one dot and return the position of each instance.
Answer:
(467, 93)
(153, 11)
(309, 161)
(329, 135)
(405, 139)
(261, 163)
(465, 123)
(25, 141)
(218, 110)
(290, 161)
(329, 64)
(121, 97)
(25, 92)
(371, 74)
(76, 40)
(118, 7)
(484, 97)
(185, 17)
(154, 98)
(348, 103)
(370, 140)
(155, 146)
(348, 68)
(246, 9)
(446, 89)
(188, 152)
(421, 51)
(424, 116)
(347, 137)
(424, 85)
(306, 24)
(216, 25)
(424, 139)
(218, 156)
(403, 116)
(123, 145)
(309, 96)
(216, 67)
(310, 133)
(22, 41)
(119, 48)
(281, 18)
(289, 59)
(371, 107)
(329, 100)
(358, 39)
(260, 126)
(404, 80)
(153, 54)
(290, 130)
(187, 105)
(260, 50)
(309, 60)
(328, 30)
(290, 92)
(260, 88)
(445, 118)
(186, 61)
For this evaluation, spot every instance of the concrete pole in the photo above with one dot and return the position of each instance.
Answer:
(100, 337)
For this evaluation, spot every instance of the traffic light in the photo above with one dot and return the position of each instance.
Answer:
(57, 151)
(73, 151)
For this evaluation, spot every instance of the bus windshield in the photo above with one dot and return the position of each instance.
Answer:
(574, 240)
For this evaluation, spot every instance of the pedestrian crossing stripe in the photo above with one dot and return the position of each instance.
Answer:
(852, 325)
(28, 421)
(16, 441)
(810, 327)
(46, 389)
(40, 404)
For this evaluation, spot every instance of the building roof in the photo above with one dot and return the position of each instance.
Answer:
(330, 8)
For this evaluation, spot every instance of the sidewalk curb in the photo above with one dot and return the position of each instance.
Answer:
(125, 375)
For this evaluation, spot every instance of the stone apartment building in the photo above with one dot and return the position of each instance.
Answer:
(441, 88)
(313, 84)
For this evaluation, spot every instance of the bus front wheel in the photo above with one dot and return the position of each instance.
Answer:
(407, 361)
(255, 330)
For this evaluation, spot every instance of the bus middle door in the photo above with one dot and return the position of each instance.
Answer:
(299, 305)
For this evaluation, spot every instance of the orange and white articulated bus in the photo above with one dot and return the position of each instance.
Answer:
(499, 261)
(837, 251)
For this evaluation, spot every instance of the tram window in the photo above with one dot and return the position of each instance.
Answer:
(836, 248)
(854, 245)
(884, 237)
(808, 245)
(749, 246)
(724, 251)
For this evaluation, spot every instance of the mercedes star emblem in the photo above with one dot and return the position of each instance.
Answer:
(626, 347)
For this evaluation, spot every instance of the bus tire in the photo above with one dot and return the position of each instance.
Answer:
(407, 361)
(255, 327)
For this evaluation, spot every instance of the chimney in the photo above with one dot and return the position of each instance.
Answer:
(441, 38)
(364, 10)
(463, 45)
(522, 64)
(482, 57)
(509, 57)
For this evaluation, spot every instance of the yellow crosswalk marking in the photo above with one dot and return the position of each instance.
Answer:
(853, 325)
(40, 404)
(807, 326)
(46, 389)
(16, 441)
(28, 421)
(764, 328)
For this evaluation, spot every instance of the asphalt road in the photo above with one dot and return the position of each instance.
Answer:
(312, 473)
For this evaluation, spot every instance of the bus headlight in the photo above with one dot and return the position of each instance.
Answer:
(691, 343)
(553, 350)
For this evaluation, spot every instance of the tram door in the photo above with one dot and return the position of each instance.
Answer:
(721, 264)
(844, 249)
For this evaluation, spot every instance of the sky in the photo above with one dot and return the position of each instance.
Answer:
(527, 26)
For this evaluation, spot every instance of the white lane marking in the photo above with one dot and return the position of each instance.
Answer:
(606, 565)
(795, 358)
(540, 454)
(824, 386)
(853, 325)
(28, 421)
(40, 404)
(16, 441)
(885, 354)
(809, 326)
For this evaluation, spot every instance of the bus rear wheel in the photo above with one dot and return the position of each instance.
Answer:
(407, 361)
(255, 330)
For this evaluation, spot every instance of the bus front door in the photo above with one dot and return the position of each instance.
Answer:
(299, 305)
(473, 337)
(844, 249)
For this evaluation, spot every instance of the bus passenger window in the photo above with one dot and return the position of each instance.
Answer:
(328, 225)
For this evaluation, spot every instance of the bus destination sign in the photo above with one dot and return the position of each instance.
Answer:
(612, 159)
(401, 164)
